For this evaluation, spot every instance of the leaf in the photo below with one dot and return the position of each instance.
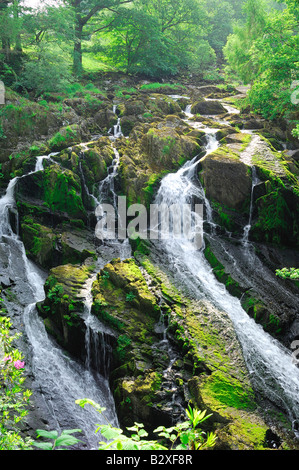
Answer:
(47, 434)
(109, 432)
(66, 440)
(184, 438)
(84, 401)
(43, 445)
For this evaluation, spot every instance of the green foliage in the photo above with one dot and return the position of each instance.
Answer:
(55, 294)
(130, 296)
(295, 132)
(264, 52)
(183, 436)
(46, 72)
(157, 85)
(14, 398)
(158, 39)
(64, 440)
(288, 273)
(190, 437)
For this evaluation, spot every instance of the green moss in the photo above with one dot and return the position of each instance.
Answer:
(39, 241)
(63, 138)
(277, 222)
(228, 392)
(247, 431)
(156, 86)
(109, 319)
(61, 191)
(123, 345)
(225, 152)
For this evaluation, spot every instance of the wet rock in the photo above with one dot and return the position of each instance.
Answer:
(210, 107)
(226, 179)
(63, 306)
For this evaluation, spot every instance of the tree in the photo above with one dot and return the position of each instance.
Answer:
(264, 52)
(158, 37)
(10, 25)
(83, 12)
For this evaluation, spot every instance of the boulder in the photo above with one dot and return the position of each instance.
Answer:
(208, 107)
(226, 179)
(165, 148)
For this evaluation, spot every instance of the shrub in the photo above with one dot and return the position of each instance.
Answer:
(14, 398)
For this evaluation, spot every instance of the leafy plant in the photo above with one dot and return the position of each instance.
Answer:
(55, 294)
(14, 399)
(130, 296)
(64, 440)
(295, 132)
(186, 435)
(105, 275)
(288, 273)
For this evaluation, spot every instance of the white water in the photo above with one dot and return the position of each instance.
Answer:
(270, 364)
(62, 380)
(247, 228)
(116, 131)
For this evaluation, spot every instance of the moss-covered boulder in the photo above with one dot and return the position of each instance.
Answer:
(277, 219)
(208, 107)
(124, 302)
(211, 365)
(153, 150)
(165, 148)
(54, 188)
(67, 136)
(226, 179)
(24, 121)
(163, 104)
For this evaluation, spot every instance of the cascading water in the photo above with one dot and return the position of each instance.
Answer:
(270, 364)
(117, 132)
(58, 379)
(247, 228)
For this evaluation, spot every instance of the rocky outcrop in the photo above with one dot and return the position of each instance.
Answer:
(154, 378)
(226, 179)
(208, 107)
(63, 307)
(152, 151)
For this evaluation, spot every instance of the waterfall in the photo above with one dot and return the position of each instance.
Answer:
(58, 378)
(270, 364)
(247, 228)
(188, 110)
(117, 132)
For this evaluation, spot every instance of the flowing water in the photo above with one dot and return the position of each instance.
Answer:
(270, 364)
(247, 228)
(62, 380)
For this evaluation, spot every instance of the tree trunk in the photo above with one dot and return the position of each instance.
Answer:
(77, 54)
(18, 45)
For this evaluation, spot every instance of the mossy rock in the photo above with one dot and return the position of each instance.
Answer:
(67, 136)
(58, 190)
(39, 241)
(218, 380)
(63, 307)
(226, 179)
(165, 148)
(163, 104)
(208, 108)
